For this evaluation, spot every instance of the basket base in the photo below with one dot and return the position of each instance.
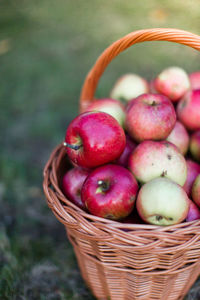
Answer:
(106, 283)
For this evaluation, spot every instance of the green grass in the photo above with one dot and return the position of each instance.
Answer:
(46, 50)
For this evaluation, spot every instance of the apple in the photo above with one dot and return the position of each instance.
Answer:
(110, 192)
(129, 104)
(179, 137)
(195, 145)
(193, 213)
(195, 80)
(162, 202)
(196, 190)
(150, 117)
(188, 110)
(129, 86)
(93, 139)
(172, 82)
(72, 183)
(193, 170)
(124, 157)
(152, 159)
(110, 106)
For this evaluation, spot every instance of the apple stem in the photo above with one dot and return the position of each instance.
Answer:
(103, 185)
(74, 147)
(153, 103)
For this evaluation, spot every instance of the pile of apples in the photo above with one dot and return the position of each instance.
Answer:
(135, 155)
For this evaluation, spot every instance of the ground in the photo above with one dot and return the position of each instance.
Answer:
(46, 49)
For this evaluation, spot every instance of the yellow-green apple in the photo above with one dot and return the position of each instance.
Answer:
(196, 191)
(93, 139)
(110, 106)
(179, 137)
(193, 170)
(195, 145)
(150, 117)
(193, 213)
(110, 192)
(188, 110)
(128, 87)
(162, 202)
(72, 183)
(195, 80)
(152, 159)
(172, 82)
(124, 157)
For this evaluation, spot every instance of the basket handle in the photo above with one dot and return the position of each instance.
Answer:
(155, 34)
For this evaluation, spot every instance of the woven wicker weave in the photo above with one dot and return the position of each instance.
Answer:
(126, 261)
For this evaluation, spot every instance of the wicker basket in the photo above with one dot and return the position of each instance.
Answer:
(126, 261)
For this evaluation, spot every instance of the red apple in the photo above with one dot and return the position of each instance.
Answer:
(179, 137)
(195, 145)
(196, 191)
(93, 139)
(124, 157)
(162, 202)
(172, 82)
(72, 184)
(188, 110)
(193, 170)
(109, 192)
(152, 159)
(195, 80)
(150, 117)
(193, 213)
(109, 106)
(128, 87)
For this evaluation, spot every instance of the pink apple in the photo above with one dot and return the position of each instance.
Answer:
(72, 184)
(129, 86)
(109, 106)
(93, 139)
(129, 104)
(188, 110)
(179, 137)
(196, 191)
(195, 145)
(110, 192)
(195, 80)
(193, 170)
(162, 202)
(172, 82)
(193, 213)
(152, 159)
(150, 117)
(124, 157)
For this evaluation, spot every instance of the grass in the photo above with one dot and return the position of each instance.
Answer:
(46, 50)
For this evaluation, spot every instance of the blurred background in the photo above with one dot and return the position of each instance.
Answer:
(46, 49)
